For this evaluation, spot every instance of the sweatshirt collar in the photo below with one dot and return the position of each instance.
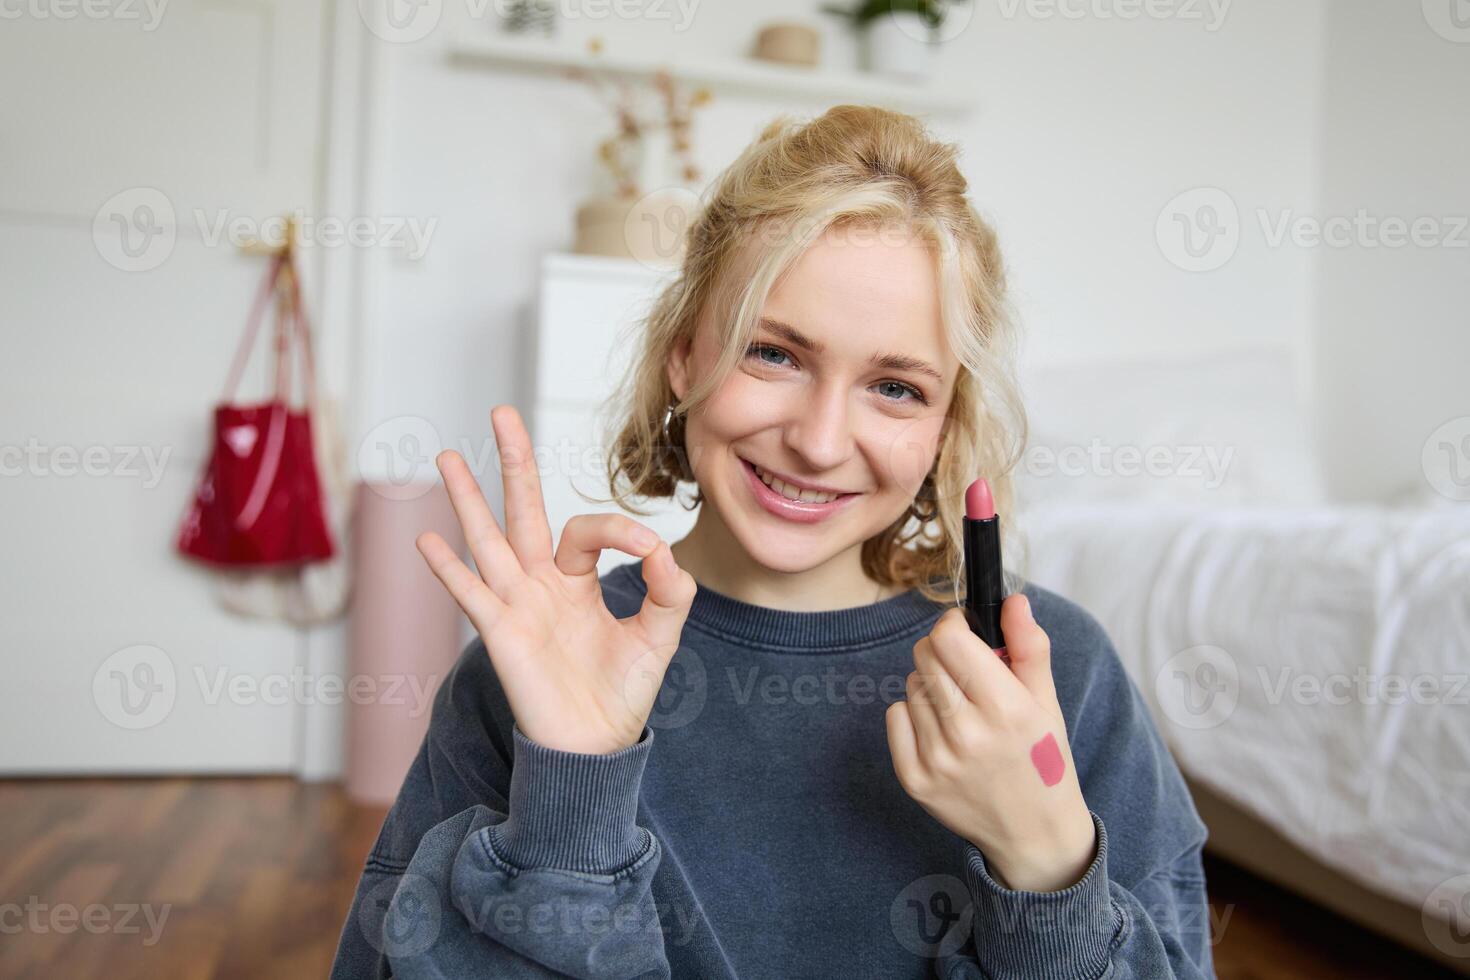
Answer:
(823, 631)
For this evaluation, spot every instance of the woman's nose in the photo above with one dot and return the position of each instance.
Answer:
(820, 431)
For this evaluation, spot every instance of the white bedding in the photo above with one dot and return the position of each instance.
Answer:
(1244, 603)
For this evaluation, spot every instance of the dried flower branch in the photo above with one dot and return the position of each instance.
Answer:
(633, 125)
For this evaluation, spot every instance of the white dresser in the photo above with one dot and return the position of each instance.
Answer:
(589, 315)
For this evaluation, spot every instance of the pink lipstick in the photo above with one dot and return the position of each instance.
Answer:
(984, 579)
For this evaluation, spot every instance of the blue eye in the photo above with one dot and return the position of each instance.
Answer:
(908, 388)
(755, 350)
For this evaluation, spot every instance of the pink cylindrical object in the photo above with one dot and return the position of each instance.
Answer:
(403, 634)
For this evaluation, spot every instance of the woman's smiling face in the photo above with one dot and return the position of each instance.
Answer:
(845, 387)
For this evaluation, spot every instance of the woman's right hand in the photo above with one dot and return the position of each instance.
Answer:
(577, 678)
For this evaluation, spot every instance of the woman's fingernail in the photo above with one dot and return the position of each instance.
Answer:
(1030, 616)
(670, 565)
(645, 538)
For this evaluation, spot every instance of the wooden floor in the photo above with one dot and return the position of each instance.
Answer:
(165, 878)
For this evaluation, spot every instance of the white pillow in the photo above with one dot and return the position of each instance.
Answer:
(1227, 428)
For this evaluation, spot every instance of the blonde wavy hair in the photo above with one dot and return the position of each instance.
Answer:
(854, 166)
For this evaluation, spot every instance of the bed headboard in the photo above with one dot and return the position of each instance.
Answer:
(1224, 427)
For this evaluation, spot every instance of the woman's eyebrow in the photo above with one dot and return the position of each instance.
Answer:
(894, 362)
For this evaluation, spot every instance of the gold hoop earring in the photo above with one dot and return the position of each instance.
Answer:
(927, 495)
(686, 472)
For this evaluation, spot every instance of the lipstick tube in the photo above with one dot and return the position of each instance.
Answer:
(984, 576)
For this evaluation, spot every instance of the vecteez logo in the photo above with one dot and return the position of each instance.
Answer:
(931, 916)
(1446, 459)
(401, 21)
(407, 234)
(135, 230)
(407, 21)
(135, 688)
(955, 18)
(1199, 230)
(1210, 14)
(402, 915)
(1446, 916)
(676, 693)
(1450, 19)
(149, 13)
(138, 686)
(396, 457)
(1199, 687)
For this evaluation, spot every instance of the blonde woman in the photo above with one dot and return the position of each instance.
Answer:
(774, 748)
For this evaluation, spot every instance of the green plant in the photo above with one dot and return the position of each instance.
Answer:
(866, 11)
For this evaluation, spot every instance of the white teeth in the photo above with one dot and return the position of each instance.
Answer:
(793, 493)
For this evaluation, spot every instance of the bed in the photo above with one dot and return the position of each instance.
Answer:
(1306, 661)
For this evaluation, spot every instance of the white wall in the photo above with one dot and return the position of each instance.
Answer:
(1394, 330)
(126, 141)
(1090, 127)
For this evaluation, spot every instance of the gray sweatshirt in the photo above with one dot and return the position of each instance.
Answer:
(757, 829)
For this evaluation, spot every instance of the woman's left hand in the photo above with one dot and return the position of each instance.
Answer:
(984, 750)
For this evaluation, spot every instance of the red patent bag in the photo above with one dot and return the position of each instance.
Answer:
(259, 502)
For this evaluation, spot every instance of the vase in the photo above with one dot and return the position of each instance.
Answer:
(897, 43)
(648, 226)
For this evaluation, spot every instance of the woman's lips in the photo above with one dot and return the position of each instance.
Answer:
(802, 512)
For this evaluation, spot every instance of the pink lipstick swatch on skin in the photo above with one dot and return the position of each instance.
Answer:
(1047, 758)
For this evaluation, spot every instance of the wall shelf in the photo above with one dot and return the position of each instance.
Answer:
(747, 76)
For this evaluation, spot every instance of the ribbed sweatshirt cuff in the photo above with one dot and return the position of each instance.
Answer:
(573, 811)
(1067, 933)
